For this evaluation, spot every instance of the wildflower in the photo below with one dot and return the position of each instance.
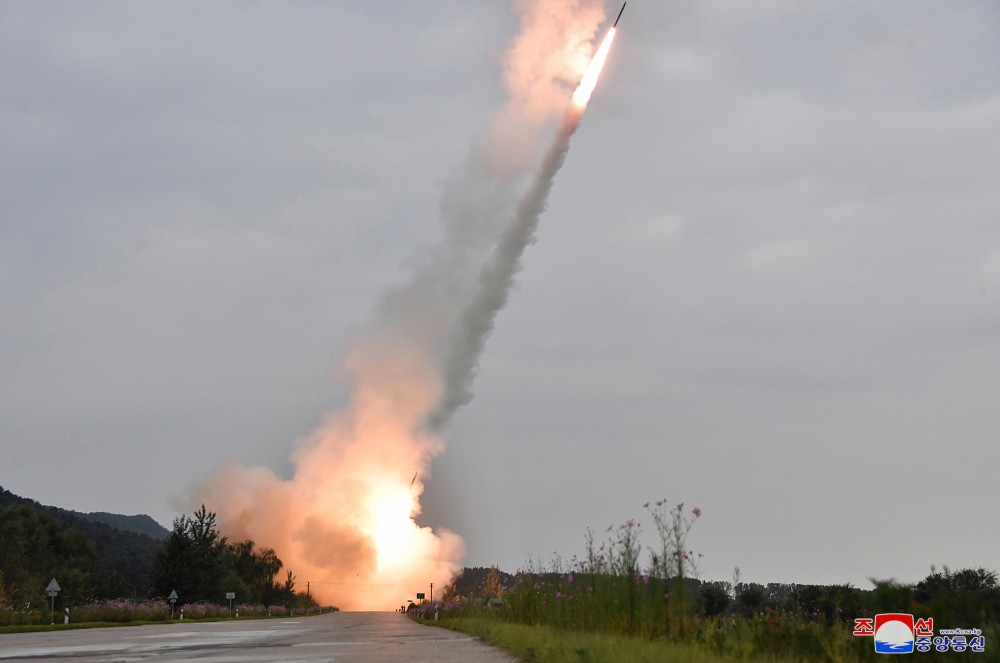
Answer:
(696, 511)
(590, 589)
(558, 595)
(569, 578)
(646, 505)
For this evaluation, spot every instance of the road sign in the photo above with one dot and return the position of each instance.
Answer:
(230, 595)
(420, 595)
(173, 599)
(52, 590)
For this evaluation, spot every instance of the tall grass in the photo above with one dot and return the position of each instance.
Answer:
(547, 644)
(660, 611)
(121, 610)
(24, 615)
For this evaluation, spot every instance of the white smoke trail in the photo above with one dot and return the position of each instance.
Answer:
(347, 516)
(496, 278)
(497, 274)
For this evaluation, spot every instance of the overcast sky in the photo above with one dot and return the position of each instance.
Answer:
(767, 283)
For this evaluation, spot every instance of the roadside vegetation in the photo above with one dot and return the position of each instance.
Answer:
(624, 601)
(103, 614)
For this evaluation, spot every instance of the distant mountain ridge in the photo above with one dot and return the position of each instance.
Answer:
(140, 524)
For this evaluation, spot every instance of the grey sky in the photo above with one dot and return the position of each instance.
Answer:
(767, 283)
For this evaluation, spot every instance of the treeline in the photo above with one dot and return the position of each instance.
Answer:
(92, 561)
(478, 581)
(968, 596)
(639, 612)
(200, 564)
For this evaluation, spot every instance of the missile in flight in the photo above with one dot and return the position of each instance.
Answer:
(619, 15)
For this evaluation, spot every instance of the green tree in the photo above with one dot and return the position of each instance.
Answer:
(202, 565)
(749, 599)
(285, 593)
(252, 572)
(192, 559)
(967, 596)
(713, 598)
(34, 548)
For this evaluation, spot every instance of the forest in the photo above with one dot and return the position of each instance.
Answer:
(93, 561)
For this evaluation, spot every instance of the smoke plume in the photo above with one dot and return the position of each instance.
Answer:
(495, 279)
(346, 519)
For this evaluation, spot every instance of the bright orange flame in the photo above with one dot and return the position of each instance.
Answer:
(394, 526)
(589, 80)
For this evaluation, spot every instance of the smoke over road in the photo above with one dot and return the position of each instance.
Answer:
(346, 519)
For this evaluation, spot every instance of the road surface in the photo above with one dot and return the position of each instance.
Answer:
(343, 637)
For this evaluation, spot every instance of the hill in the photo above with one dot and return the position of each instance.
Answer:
(37, 540)
(141, 524)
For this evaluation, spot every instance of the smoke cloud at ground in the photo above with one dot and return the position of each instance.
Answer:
(345, 520)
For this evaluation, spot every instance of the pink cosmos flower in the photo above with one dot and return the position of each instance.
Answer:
(696, 511)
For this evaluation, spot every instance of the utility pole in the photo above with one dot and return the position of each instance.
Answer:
(307, 589)
(432, 592)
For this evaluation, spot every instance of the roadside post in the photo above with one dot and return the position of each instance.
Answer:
(173, 599)
(230, 596)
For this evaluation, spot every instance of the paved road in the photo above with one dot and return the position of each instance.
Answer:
(346, 637)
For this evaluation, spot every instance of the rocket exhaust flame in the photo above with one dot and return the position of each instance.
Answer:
(589, 81)
(347, 518)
